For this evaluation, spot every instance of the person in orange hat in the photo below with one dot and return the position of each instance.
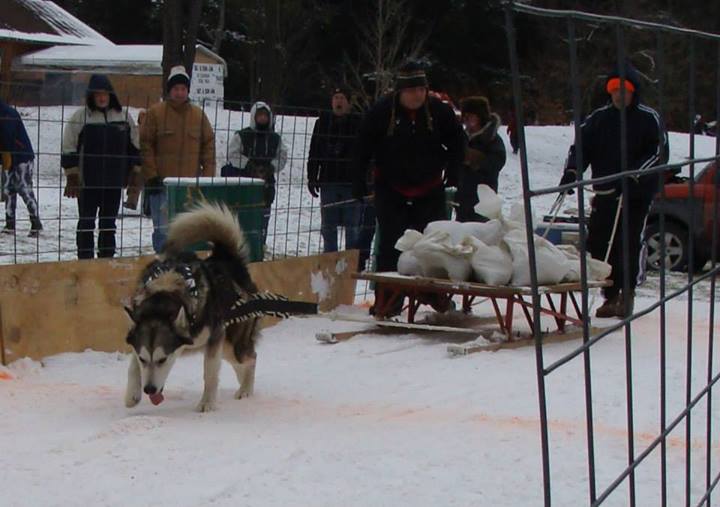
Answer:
(647, 146)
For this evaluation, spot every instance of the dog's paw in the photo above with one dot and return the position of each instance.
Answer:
(206, 406)
(132, 399)
(243, 393)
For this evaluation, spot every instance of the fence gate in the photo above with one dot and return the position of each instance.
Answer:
(676, 459)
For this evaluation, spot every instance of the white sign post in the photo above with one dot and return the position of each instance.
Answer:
(207, 82)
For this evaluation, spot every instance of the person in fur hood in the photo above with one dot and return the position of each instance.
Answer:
(484, 156)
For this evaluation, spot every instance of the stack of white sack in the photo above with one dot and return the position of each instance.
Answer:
(493, 252)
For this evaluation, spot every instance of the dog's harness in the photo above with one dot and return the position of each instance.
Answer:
(266, 304)
(245, 307)
(181, 269)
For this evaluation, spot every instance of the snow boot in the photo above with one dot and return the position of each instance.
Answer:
(621, 305)
(35, 227)
(9, 226)
(609, 308)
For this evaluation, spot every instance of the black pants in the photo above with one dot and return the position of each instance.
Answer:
(602, 220)
(396, 213)
(94, 202)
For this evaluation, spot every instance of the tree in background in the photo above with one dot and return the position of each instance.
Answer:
(181, 21)
(385, 42)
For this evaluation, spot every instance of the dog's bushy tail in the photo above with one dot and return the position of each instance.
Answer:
(207, 222)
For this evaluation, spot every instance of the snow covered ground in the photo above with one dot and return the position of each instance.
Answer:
(378, 420)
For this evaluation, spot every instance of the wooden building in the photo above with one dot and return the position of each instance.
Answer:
(31, 25)
(47, 56)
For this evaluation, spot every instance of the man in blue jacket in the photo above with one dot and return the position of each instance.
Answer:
(18, 160)
(647, 146)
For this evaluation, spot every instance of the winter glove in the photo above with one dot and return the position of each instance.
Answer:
(6, 161)
(314, 188)
(154, 186)
(72, 186)
(569, 176)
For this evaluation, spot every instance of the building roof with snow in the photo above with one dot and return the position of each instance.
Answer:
(44, 22)
(126, 58)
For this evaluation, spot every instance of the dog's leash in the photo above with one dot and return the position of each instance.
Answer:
(267, 304)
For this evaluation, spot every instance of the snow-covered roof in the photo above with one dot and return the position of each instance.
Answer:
(138, 59)
(43, 21)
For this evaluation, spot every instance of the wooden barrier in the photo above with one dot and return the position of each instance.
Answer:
(56, 307)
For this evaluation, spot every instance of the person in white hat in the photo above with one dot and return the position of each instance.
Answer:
(176, 140)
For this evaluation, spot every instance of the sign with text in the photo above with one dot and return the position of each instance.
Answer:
(207, 82)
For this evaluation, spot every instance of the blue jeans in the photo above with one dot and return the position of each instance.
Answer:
(342, 215)
(159, 214)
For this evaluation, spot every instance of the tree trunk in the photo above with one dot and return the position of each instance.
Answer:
(220, 29)
(172, 37)
(192, 24)
(181, 20)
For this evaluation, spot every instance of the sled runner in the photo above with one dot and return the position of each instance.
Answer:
(558, 301)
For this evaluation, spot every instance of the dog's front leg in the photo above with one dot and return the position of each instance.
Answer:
(212, 362)
(133, 393)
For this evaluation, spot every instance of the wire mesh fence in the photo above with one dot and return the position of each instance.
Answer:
(293, 227)
(682, 407)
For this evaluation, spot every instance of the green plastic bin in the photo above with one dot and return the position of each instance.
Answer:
(243, 195)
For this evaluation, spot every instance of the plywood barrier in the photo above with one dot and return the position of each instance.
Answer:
(55, 307)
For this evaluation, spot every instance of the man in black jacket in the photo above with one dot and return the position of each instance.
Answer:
(330, 172)
(417, 146)
(101, 155)
(647, 146)
(484, 156)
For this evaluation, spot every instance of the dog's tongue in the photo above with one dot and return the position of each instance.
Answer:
(156, 398)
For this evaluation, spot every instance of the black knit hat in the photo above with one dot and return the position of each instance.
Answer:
(476, 105)
(410, 75)
(178, 75)
(342, 89)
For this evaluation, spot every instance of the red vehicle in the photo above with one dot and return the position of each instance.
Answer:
(680, 211)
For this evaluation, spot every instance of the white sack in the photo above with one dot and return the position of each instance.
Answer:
(597, 270)
(489, 203)
(408, 240)
(552, 264)
(409, 265)
(489, 232)
(491, 264)
(440, 258)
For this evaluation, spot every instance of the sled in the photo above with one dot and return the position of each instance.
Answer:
(564, 309)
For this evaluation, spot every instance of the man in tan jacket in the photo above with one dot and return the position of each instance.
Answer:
(176, 140)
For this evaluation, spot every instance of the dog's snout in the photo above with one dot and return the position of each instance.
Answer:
(150, 389)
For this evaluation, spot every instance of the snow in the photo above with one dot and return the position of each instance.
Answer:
(139, 58)
(378, 420)
(66, 28)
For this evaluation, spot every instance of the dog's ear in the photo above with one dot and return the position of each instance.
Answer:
(181, 321)
(131, 313)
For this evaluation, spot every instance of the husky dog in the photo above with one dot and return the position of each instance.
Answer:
(181, 303)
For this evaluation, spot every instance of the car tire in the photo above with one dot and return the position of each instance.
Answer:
(676, 246)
